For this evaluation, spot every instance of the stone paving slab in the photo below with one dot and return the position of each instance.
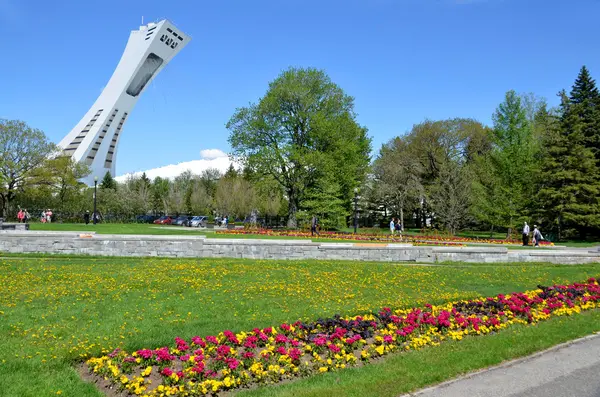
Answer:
(567, 370)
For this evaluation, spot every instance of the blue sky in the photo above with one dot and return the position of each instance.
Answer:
(402, 60)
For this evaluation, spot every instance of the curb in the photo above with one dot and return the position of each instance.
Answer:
(501, 365)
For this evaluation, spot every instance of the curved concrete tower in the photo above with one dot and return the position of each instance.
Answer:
(95, 139)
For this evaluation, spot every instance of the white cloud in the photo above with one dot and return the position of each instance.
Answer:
(210, 158)
(211, 154)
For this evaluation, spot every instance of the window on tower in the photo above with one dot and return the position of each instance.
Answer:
(149, 67)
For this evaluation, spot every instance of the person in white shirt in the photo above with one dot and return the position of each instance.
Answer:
(392, 226)
(526, 234)
(537, 236)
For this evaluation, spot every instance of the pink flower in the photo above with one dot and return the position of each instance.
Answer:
(198, 368)
(145, 353)
(333, 348)
(295, 354)
(232, 363)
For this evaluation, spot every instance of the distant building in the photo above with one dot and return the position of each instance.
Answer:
(95, 139)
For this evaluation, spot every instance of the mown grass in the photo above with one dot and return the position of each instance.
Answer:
(117, 228)
(142, 228)
(54, 311)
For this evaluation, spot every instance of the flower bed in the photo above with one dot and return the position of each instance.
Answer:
(212, 364)
(415, 240)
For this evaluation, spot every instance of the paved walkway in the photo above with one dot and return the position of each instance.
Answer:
(566, 371)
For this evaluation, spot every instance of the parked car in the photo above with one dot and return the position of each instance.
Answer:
(198, 221)
(187, 221)
(164, 220)
(146, 218)
(180, 220)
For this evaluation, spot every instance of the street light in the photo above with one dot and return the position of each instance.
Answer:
(95, 190)
(355, 209)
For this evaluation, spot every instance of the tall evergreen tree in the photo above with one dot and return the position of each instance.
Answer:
(570, 175)
(108, 182)
(585, 101)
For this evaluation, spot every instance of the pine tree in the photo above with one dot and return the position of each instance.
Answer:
(144, 182)
(108, 182)
(570, 174)
(585, 101)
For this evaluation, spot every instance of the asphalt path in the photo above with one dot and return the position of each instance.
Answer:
(571, 370)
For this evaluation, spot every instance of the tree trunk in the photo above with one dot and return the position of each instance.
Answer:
(3, 206)
(292, 209)
(401, 219)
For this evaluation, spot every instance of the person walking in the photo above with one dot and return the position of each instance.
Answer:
(399, 228)
(20, 216)
(26, 216)
(314, 226)
(392, 226)
(86, 217)
(48, 215)
(537, 236)
(43, 217)
(525, 234)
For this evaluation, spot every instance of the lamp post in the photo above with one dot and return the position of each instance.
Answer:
(355, 209)
(94, 215)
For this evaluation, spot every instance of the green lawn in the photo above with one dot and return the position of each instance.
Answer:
(118, 228)
(54, 311)
(141, 228)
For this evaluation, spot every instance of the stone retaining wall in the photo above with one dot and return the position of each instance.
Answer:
(201, 247)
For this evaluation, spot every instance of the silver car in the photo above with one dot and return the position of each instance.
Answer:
(198, 221)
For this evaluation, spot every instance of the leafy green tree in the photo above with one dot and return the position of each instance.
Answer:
(302, 130)
(208, 179)
(160, 195)
(22, 150)
(201, 200)
(66, 174)
(398, 172)
(235, 197)
(451, 196)
(323, 200)
(269, 196)
(509, 186)
(438, 145)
